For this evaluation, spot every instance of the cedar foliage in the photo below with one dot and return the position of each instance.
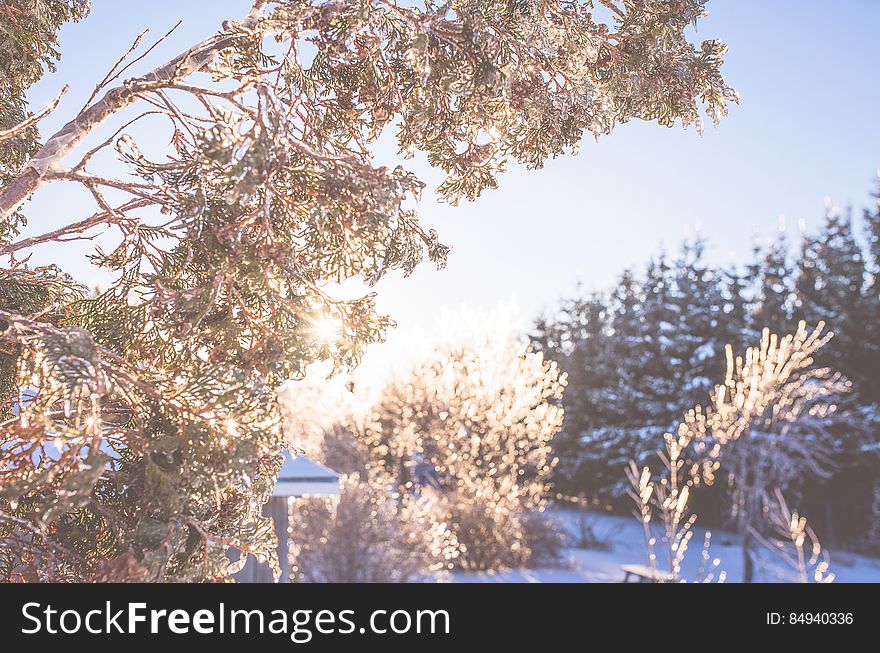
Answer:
(141, 422)
(28, 48)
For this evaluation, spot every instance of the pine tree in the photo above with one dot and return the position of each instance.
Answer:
(630, 372)
(578, 340)
(869, 389)
(872, 232)
(654, 378)
(629, 386)
(641, 397)
(608, 442)
(773, 281)
(700, 331)
(829, 286)
(735, 310)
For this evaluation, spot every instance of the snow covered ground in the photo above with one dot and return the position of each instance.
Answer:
(624, 535)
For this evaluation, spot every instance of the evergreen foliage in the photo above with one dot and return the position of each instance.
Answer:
(142, 433)
(28, 48)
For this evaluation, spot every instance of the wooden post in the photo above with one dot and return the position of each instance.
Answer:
(279, 512)
(276, 508)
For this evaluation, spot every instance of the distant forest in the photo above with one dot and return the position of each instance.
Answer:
(653, 346)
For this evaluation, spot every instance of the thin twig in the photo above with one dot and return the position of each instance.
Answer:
(146, 53)
(34, 118)
(101, 217)
(108, 77)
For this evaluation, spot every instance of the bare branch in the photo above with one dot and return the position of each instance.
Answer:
(102, 217)
(109, 76)
(617, 10)
(35, 173)
(33, 119)
(145, 54)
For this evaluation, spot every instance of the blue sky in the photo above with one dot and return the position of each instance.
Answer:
(806, 129)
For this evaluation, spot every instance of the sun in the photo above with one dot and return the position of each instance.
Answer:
(327, 329)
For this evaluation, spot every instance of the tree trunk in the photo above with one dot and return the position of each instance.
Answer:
(748, 561)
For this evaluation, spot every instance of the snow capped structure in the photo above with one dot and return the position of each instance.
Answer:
(299, 477)
(303, 477)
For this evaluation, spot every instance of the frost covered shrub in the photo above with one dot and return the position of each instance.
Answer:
(490, 530)
(465, 434)
(371, 535)
(544, 538)
(794, 542)
(472, 425)
(763, 427)
(495, 531)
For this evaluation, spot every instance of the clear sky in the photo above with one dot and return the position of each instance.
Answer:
(806, 129)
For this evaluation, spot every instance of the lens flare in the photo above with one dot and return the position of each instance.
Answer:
(327, 329)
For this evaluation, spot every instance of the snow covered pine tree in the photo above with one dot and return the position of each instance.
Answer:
(141, 433)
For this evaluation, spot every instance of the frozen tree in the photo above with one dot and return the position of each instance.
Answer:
(735, 307)
(765, 426)
(830, 284)
(606, 442)
(707, 322)
(641, 354)
(782, 433)
(771, 279)
(870, 347)
(872, 231)
(159, 391)
(869, 354)
(579, 336)
(794, 541)
(471, 426)
(650, 367)
(28, 49)
(833, 284)
(370, 534)
(459, 441)
(793, 439)
(626, 373)
(636, 360)
(663, 508)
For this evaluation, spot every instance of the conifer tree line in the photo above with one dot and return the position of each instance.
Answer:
(640, 355)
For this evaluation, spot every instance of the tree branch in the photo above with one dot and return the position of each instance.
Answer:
(33, 119)
(102, 217)
(35, 173)
(613, 7)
